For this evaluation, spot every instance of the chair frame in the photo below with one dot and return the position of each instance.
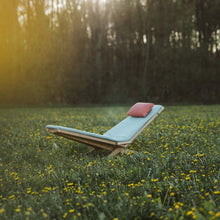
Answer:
(99, 143)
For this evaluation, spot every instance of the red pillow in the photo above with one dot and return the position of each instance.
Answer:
(140, 109)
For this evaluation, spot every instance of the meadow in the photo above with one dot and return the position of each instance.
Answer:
(173, 174)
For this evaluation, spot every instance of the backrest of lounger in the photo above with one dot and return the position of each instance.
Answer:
(127, 128)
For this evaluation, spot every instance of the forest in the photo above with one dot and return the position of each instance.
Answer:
(109, 51)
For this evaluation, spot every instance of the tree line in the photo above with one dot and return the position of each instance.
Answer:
(113, 51)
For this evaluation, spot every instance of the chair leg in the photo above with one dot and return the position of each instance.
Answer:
(115, 151)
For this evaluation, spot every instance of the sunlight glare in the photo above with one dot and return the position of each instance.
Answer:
(100, 1)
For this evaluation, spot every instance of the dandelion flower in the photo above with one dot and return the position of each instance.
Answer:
(190, 213)
(217, 192)
(65, 215)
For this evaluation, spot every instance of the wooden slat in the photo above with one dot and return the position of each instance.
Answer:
(69, 135)
(92, 143)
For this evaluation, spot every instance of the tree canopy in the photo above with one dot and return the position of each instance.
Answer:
(91, 51)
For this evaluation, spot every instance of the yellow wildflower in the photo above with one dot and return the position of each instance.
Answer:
(65, 215)
(190, 213)
(2, 210)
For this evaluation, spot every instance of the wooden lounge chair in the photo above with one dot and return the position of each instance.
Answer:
(114, 140)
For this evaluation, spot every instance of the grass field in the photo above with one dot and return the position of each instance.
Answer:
(174, 174)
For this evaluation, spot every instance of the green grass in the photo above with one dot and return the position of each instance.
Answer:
(173, 175)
